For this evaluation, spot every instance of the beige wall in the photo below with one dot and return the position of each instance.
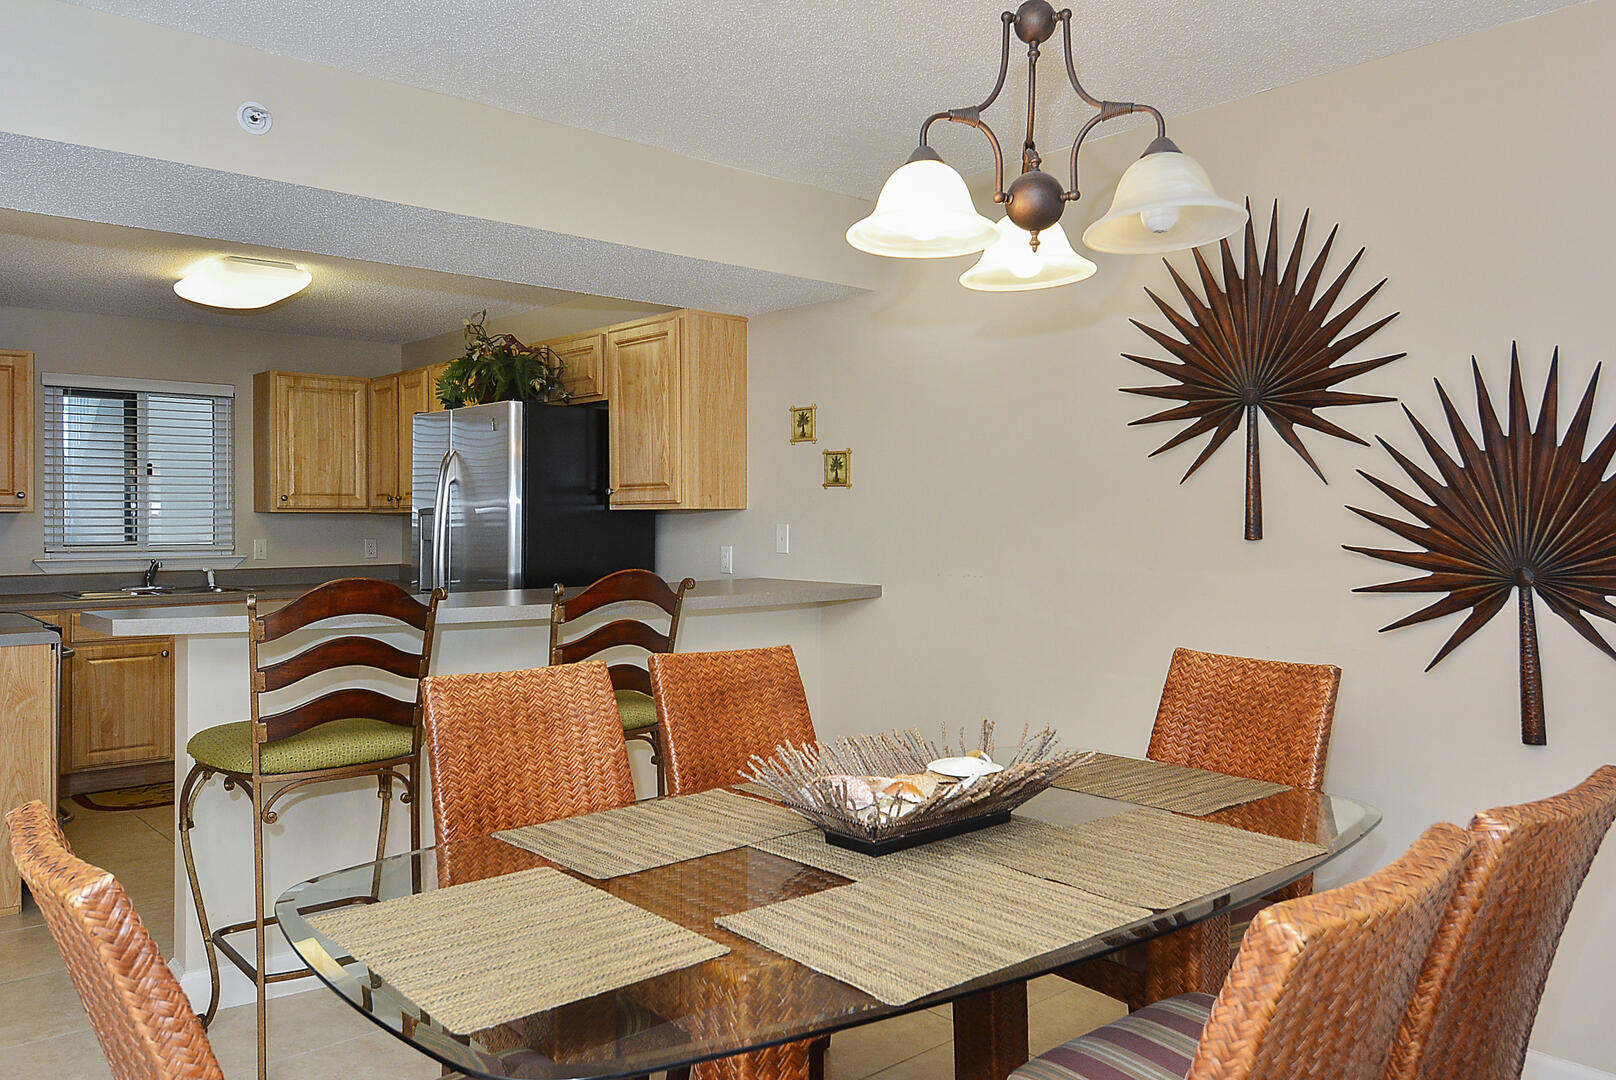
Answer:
(152, 349)
(1038, 568)
(537, 324)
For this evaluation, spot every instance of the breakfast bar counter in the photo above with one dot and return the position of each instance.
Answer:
(332, 825)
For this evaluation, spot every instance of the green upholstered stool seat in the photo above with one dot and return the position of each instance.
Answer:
(340, 743)
(637, 710)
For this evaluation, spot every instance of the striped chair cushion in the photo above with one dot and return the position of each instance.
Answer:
(1156, 1043)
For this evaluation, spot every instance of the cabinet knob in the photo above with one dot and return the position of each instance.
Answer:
(283, 498)
(165, 654)
(22, 494)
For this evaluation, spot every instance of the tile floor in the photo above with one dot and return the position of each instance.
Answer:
(44, 1032)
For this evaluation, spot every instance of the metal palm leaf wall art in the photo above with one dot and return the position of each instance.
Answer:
(1516, 511)
(1262, 341)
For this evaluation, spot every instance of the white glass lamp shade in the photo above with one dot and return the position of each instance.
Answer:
(924, 212)
(1164, 202)
(241, 284)
(1011, 265)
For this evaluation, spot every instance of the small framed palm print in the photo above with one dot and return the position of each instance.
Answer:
(839, 468)
(804, 423)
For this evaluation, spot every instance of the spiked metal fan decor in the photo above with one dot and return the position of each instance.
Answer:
(1517, 511)
(1261, 341)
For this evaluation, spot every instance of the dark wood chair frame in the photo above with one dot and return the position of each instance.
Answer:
(347, 596)
(625, 586)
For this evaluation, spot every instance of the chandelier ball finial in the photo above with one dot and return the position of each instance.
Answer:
(1036, 201)
(1036, 21)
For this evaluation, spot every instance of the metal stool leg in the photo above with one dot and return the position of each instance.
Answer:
(653, 735)
(195, 780)
(258, 930)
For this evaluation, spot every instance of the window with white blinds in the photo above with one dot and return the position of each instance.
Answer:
(137, 466)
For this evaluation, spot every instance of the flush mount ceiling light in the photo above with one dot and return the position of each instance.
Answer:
(242, 284)
(1164, 201)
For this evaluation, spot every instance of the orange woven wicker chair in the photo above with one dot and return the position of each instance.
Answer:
(140, 1015)
(717, 710)
(515, 748)
(1264, 719)
(1473, 1007)
(1317, 990)
(630, 682)
(343, 734)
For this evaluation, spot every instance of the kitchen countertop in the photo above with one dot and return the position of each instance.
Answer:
(18, 629)
(476, 608)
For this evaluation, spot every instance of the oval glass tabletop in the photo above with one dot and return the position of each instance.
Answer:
(749, 998)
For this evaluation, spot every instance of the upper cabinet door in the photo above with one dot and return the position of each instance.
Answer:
(583, 357)
(414, 396)
(16, 430)
(311, 441)
(434, 372)
(384, 442)
(643, 383)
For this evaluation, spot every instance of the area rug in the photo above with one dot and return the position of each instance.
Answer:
(145, 797)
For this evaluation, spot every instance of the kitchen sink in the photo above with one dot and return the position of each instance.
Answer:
(136, 591)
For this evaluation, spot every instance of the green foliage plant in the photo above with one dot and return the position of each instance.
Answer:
(498, 367)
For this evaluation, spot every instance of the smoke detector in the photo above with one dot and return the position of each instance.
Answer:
(254, 118)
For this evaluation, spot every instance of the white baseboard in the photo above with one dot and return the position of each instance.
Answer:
(1541, 1066)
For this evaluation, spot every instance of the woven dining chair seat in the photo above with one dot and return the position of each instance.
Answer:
(1154, 1043)
(334, 745)
(636, 710)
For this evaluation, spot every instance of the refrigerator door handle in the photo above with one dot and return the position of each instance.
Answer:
(450, 473)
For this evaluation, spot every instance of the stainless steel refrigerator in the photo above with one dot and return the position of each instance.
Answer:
(515, 496)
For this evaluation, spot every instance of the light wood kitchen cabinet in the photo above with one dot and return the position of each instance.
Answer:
(434, 372)
(120, 701)
(16, 430)
(677, 386)
(27, 686)
(384, 425)
(583, 359)
(310, 442)
(394, 401)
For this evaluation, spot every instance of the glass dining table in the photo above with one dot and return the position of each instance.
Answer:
(752, 998)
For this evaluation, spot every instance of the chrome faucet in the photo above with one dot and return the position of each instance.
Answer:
(213, 585)
(151, 574)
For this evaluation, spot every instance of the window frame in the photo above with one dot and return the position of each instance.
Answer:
(138, 522)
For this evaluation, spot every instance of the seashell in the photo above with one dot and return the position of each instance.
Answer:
(854, 791)
(904, 789)
(925, 782)
(968, 767)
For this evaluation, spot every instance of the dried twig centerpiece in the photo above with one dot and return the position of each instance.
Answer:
(887, 792)
(1263, 341)
(1516, 511)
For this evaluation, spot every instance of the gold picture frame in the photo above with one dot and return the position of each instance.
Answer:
(804, 423)
(838, 468)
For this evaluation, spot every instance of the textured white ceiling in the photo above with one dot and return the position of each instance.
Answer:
(828, 92)
(65, 265)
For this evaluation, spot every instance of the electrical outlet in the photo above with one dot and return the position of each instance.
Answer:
(782, 539)
(726, 559)
(370, 547)
(260, 549)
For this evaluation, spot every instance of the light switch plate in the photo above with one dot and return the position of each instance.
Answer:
(726, 559)
(260, 549)
(782, 539)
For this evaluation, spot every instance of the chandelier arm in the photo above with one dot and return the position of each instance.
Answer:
(970, 118)
(1065, 17)
(1109, 110)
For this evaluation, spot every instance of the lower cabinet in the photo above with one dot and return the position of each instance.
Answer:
(118, 703)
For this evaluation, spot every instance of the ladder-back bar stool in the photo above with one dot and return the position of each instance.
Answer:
(341, 734)
(631, 684)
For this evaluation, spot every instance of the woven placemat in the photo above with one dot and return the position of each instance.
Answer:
(486, 952)
(899, 937)
(1158, 859)
(656, 832)
(1166, 787)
